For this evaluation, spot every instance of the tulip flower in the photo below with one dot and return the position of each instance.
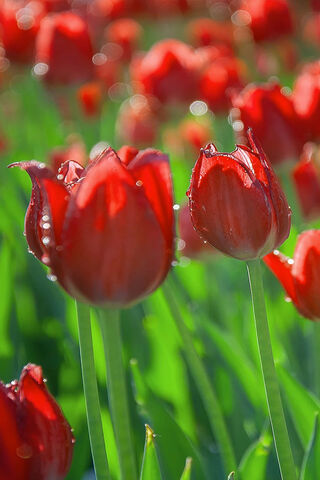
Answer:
(90, 98)
(306, 98)
(37, 441)
(306, 176)
(268, 19)
(205, 31)
(169, 71)
(272, 116)
(126, 33)
(236, 202)
(300, 276)
(64, 48)
(105, 231)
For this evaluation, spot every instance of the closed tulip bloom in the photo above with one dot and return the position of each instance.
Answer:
(306, 176)
(64, 47)
(236, 202)
(268, 19)
(36, 439)
(300, 276)
(105, 231)
(169, 71)
(273, 118)
(306, 98)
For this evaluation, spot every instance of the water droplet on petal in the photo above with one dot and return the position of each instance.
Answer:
(288, 299)
(139, 183)
(51, 277)
(290, 261)
(45, 259)
(41, 165)
(174, 263)
(24, 451)
(45, 240)
(45, 218)
(46, 226)
(176, 206)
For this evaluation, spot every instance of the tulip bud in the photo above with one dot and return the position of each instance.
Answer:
(37, 441)
(236, 202)
(300, 276)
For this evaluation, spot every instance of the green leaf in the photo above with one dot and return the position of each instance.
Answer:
(311, 463)
(150, 469)
(186, 474)
(255, 459)
(301, 403)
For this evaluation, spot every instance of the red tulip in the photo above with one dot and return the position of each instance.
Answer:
(126, 33)
(36, 439)
(90, 98)
(75, 151)
(306, 176)
(272, 116)
(205, 31)
(105, 231)
(19, 26)
(268, 19)
(169, 71)
(300, 276)
(190, 243)
(64, 47)
(306, 98)
(236, 202)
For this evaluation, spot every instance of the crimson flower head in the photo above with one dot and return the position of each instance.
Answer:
(126, 33)
(64, 48)
(300, 276)
(169, 71)
(306, 98)
(236, 202)
(306, 176)
(37, 441)
(275, 122)
(268, 19)
(106, 231)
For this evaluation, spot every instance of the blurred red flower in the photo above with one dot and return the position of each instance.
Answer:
(37, 441)
(306, 176)
(19, 26)
(105, 231)
(126, 33)
(75, 151)
(90, 98)
(236, 202)
(203, 32)
(300, 276)
(64, 48)
(268, 19)
(169, 71)
(306, 98)
(272, 116)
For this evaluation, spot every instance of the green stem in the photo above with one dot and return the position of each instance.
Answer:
(202, 381)
(278, 423)
(111, 334)
(91, 393)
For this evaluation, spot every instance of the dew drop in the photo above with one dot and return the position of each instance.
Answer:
(24, 451)
(176, 206)
(45, 240)
(288, 299)
(45, 218)
(59, 176)
(180, 244)
(42, 165)
(276, 252)
(51, 277)
(139, 183)
(46, 226)
(45, 259)
(290, 261)
(174, 263)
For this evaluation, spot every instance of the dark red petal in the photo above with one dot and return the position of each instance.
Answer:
(281, 266)
(127, 153)
(44, 427)
(70, 172)
(229, 208)
(152, 173)
(306, 272)
(13, 464)
(114, 249)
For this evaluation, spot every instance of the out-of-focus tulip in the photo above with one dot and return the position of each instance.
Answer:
(268, 19)
(300, 276)
(90, 98)
(306, 176)
(205, 31)
(75, 151)
(311, 29)
(126, 33)
(188, 137)
(19, 26)
(105, 231)
(272, 116)
(138, 121)
(190, 244)
(169, 71)
(236, 202)
(64, 48)
(223, 75)
(107, 69)
(57, 5)
(37, 442)
(306, 98)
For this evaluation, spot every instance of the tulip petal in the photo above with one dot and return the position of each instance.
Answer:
(281, 266)
(111, 233)
(229, 207)
(45, 427)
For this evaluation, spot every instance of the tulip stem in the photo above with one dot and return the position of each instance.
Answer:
(117, 392)
(91, 393)
(278, 423)
(203, 383)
